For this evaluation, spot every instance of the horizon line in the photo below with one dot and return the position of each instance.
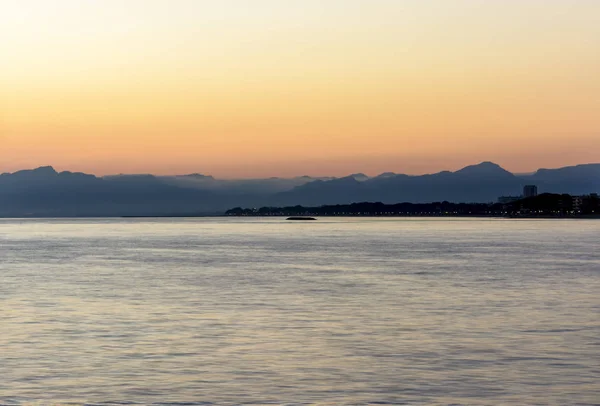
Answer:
(291, 177)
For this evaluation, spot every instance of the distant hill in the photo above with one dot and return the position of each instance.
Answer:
(477, 183)
(577, 179)
(46, 192)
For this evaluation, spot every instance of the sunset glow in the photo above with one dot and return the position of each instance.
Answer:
(276, 88)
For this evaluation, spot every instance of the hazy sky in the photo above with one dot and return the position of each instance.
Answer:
(240, 88)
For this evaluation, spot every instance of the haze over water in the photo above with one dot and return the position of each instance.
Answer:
(255, 311)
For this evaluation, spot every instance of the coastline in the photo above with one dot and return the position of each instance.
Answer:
(158, 216)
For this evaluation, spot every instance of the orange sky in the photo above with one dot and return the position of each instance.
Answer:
(274, 88)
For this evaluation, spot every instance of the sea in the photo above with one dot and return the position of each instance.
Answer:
(264, 311)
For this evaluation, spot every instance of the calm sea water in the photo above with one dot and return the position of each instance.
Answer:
(264, 311)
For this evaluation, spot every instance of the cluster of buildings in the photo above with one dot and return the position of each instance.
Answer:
(573, 204)
(580, 202)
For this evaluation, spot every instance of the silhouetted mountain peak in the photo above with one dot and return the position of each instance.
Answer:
(581, 167)
(47, 170)
(485, 168)
(578, 176)
(42, 171)
(386, 175)
(361, 177)
(76, 175)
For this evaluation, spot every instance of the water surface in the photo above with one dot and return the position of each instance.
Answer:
(264, 311)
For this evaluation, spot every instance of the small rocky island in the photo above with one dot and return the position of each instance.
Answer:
(300, 218)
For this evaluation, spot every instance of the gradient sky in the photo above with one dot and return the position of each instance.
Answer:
(278, 88)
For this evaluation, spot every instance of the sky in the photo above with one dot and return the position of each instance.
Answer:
(254, 88)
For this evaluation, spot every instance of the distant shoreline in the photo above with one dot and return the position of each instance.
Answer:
(283, 217)
(544, 206)
(572, 217)
(541, 206)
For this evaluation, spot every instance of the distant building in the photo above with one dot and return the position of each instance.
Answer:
(577, 203)
(530, 191)
(508, 199)
(586, 203)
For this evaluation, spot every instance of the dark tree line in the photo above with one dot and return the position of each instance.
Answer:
(545, 204)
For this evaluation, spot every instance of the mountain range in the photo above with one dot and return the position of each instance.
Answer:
(46, 192)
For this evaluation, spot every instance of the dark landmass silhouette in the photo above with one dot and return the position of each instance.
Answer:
(44, 192)
(544, 205)
(477, 183)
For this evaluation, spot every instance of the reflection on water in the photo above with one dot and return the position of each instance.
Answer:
(345, 311)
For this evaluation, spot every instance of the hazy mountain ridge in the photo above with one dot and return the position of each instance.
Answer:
(46, 192)
(475, 183)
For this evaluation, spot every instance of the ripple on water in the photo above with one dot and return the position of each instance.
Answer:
(356, 311)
